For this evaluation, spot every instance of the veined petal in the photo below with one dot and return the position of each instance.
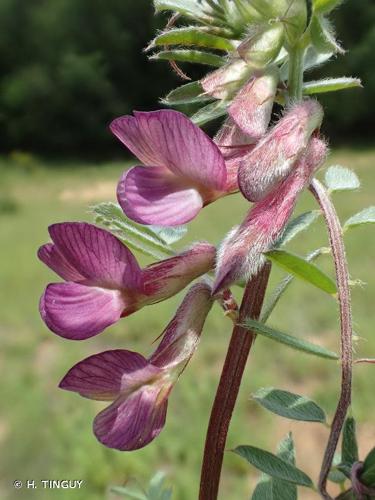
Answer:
(131, 423)
(252, 106)
(152, 195)
(276, 154)
(102, 376)
(181, 336)
(98, 255)
(50, 255)
(77, 312)
(167, 277)
(240, 255)
(167, 138)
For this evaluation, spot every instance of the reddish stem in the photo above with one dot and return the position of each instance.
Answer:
(230, 381)
(342, 278)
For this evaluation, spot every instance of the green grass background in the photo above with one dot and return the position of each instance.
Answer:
(45, 433)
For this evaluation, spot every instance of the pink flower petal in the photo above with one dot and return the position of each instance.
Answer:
(167, 138)
(241, 254)
(77, 312)
(102, 376)
(252, 106)
(167, 277)
(131, 423)
(50, 255)
(276, 154)
(98, 255)
(234, 146)
(152, 195)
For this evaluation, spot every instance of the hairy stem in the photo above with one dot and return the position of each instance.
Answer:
(295, 78)
(342, 278)
(230, 381)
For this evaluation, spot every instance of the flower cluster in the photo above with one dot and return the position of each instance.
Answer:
(182, 171)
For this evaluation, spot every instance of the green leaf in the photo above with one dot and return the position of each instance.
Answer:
(273, 465)
(346, 495)
(191, 56)
(325, 5)
(145, 239)
(339, 178)
(192, 36)
(323, 36)
(300, 223)
(330, 85)
(281, 288)
(128, 492)
(289, 405)
(314, 59)
(368, 474)
(366, 216)
(269, 488)
(156, 490)
(288, 340)
(189, 8)
(302, 269)
(187, 94)
(349, 447)
(210, 112)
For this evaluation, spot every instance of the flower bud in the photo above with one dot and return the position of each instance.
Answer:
(275, 155)
(240, 256)
(252, 107)
(262, 45)
(224, 82)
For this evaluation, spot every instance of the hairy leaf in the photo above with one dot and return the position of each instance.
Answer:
(302, 269)
(368, 474)
(325, 5)
(191, 56)
(289, 405)
(323, 36)
(295, 226)
(330, 85)
(273, 465)
(210, 112)
(146, 239)
(187, 94)
(269, 488)
(126, 492)
(349, 447)
(339, 178)
(289, 340)
(192, 36)
(281, 288)
(366, 216)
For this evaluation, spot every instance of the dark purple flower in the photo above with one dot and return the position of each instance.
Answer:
(103, 281)
(139, 387)
(183, 169)
(241, 253)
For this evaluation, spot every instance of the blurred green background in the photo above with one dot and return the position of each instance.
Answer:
(68, 68)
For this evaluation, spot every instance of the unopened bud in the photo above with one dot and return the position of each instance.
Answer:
(262, 45)
(252, 107)
(224, 82)
(275, 155)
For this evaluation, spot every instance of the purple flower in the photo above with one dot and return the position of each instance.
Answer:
(183, 169)
(103, 281)
(275, 155)
(139, 387)
(241, 253)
